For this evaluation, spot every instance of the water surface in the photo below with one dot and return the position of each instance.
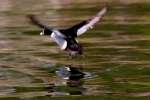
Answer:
(117, 49)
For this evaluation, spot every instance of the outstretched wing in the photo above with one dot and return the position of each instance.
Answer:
(46, 30)
(82, 27)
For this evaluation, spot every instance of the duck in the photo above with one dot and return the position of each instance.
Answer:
(66, 39)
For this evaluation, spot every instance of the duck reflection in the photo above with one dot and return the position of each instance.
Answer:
(73, 77)
(71, 74)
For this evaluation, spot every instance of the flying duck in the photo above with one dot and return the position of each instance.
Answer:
(66, 38)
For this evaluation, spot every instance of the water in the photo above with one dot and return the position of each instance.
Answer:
(116, 50)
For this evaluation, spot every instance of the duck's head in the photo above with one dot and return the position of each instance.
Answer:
(75, 49)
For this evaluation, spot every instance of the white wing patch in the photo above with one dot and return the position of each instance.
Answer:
(82, 30)
(92, 22)
(42, 33)
(59, 39)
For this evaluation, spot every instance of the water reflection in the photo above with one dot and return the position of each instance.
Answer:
(72, 79)
(117, 50)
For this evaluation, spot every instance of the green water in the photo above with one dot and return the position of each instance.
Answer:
(117, 50)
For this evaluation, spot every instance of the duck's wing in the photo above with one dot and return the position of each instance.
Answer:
(82, 27)
(46, 29)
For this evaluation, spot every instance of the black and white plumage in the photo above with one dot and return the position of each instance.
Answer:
(69, 72)
(66, 38)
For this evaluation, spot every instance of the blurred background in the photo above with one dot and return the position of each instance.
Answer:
(117, 51)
